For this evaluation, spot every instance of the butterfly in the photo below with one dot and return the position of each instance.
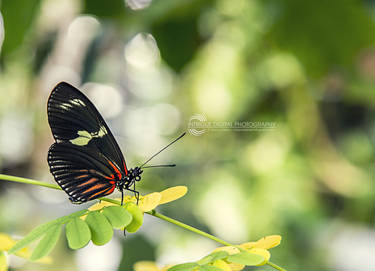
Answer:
(85, 159)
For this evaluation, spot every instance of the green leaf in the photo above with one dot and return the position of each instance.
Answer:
(3, 262)
(246, 258)
(73, 215)
(117, 216)
(137, 215)
(41, 230)
(101, 230)
(78, 233)
(183, 267)
(47, 243)
(32, 236)
(213, 257)
(208, 267)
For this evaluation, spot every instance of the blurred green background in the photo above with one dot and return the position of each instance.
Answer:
(149, 66)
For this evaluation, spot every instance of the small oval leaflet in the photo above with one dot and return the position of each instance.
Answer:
(223, 265)
(117, 216)
(47, 243)
(78, 233)
(137, 215)
(246, 258)
(101, 229)
(41, 230)
(31, 237)
(213, 257)
(184, 267)
(172, 194)
(208, 267)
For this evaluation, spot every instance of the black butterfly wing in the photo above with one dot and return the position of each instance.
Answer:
(83, 173)
(74, 119)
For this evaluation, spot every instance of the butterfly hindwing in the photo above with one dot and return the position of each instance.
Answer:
(75, 120)
(81, 172)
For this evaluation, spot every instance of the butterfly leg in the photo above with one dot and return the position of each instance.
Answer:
(122, 197)
(136, 193)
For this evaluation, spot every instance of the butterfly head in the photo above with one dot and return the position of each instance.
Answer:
(134, 174)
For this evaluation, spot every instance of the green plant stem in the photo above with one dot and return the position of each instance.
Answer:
(153, 212)
(276, 266)
(111, 201)
(190, 228)
(27, 181)
(49, 185)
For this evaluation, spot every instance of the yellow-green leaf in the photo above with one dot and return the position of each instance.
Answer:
(172, 194)
(229, 249)
(183, 267)
(78, 233)
(208, 267)
(245, 258)
(117, 216)
(41, 230)
(262, 252)
(213, 257)
(32, 236)
(149, 202)
(265, 242)
(101, 229)
(222, 264)
(137, 214)
(3, 261)
(47, 243)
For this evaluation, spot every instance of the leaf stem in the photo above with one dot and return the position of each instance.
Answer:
(190, 228)
(276, 266)
(111, 201)
(28, 181)
(153, 212)
(185, 226)
(10, 178)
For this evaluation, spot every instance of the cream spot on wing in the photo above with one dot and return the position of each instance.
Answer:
(84, 137)
(80, 141)
(77, 102)
(65, 106)
(102, 131)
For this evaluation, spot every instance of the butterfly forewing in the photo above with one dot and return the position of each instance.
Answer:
(81, 172)
(74, 119)
(85, 160)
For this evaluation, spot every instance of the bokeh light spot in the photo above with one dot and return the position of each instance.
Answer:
(219, 208)
(106, 98)
(137, 4)
(142, 51)
(214, 100)
(95, 258)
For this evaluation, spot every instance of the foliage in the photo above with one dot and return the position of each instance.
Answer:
(226, 258)
(308, 66)
(97, 224)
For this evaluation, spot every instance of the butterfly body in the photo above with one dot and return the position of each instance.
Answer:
(85, 159)
(129, 180)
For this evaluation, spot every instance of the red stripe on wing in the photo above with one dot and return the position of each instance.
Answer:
(102, 192)
(126, 169)
(115, 169)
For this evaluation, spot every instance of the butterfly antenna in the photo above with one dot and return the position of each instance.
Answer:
(163, 150)
(171, 165)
